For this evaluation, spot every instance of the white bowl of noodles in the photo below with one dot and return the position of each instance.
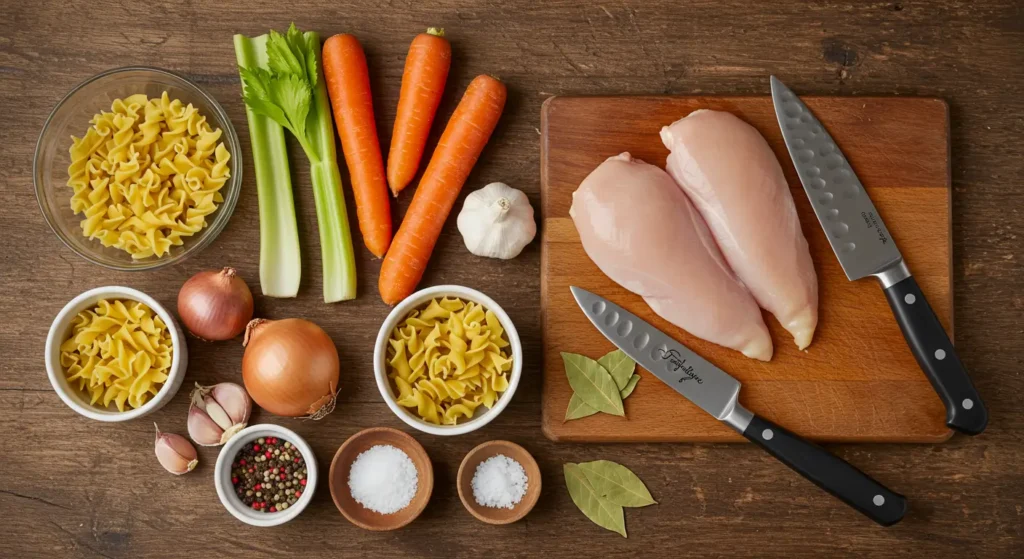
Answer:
(482, 415)
(79, 400)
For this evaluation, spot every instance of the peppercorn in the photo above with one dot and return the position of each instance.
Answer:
(273, 485)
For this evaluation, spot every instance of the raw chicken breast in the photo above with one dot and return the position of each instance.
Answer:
(642, 231)
(735, 181)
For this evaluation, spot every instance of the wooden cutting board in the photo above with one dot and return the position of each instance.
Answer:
(858, 380)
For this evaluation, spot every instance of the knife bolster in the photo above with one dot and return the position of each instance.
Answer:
(738, 417)
(893, 274)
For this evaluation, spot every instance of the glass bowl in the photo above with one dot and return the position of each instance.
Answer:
(71, 118)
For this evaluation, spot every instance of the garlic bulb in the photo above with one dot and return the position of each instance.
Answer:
(217, 413)
(497, 221)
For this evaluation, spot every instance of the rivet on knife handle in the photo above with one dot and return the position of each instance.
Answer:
(934, 352)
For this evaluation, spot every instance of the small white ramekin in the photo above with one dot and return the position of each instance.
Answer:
(76, 399)
(225, 490)
(483, 415)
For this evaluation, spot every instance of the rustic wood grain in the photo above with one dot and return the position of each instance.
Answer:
(858, 381)
(70, 487)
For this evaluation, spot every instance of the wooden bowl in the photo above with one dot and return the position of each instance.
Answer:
(342, 463)
(487, 450)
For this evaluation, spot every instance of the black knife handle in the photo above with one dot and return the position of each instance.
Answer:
(829, 472)
(965, 411)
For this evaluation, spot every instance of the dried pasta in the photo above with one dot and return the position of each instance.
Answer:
(447, 359)
(146, 174)
(118, 351)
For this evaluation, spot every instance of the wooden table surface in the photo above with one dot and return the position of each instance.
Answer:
(74, 487)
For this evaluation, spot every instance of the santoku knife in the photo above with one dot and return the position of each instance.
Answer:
(717, 393)
(864, 247)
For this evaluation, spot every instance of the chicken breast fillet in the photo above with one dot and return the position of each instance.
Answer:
(641, 230)
(733, 178)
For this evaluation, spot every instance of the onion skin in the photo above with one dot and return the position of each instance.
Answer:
(290, 367)
(215, 305)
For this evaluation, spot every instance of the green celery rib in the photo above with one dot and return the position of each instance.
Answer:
(280, 260)
(331, 214)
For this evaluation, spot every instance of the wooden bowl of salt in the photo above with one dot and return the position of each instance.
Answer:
(491, 482)
(370, 479)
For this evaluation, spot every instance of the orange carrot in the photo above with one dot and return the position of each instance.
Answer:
(464, 138)
(426, 69)
(348, 84)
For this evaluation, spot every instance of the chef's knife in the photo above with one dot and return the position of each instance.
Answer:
(717, 392)
(864, 248)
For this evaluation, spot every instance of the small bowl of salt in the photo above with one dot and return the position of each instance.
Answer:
(381, 479)
(499, 482)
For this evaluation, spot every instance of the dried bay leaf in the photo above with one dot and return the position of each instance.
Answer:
(619, 366)
(600, 511)
(577, 409)
(617, 484)
(628, 389)
(593, 384)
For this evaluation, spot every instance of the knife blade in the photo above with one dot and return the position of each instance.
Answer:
(717, 393)
(864, 247)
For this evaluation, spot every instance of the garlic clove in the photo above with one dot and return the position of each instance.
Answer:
(202, 429)
(234, 400)
(175, 453)
(216, 413)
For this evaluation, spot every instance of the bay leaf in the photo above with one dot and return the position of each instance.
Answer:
(600, 511)
(617, 484)
(619, 366)
(577, 409)
(593, 384)
(628, 389)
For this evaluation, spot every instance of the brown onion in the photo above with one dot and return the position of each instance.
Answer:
(290, 367)
(215, 305)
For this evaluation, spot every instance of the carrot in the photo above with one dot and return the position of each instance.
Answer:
(464, 138)
(348, 84)
(426, 69)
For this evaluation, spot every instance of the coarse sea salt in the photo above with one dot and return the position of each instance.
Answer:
(383, 479)
(499, 482)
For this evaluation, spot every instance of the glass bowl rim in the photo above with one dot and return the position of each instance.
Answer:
(224, 211)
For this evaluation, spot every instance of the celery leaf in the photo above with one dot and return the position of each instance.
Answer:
(256, 92)
(282, 58)
(294, 96)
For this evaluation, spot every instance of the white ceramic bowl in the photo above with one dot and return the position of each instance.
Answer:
(222, 476)
(79, 401)
(483, 416)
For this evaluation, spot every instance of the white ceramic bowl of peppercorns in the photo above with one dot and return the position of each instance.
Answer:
(265, 475)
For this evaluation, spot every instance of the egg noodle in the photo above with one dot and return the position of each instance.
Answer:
(447, 359)
(118, 351)
(146, 174)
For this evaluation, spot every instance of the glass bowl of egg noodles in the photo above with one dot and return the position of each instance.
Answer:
(137, 168)
(447, 360)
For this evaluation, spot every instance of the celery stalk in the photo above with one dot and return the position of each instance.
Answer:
(280, 260)
(331, 215)
(287, 86)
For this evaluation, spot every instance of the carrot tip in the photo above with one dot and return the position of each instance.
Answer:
(436, 31)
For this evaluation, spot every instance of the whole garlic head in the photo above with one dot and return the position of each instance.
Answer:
(497, 221)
